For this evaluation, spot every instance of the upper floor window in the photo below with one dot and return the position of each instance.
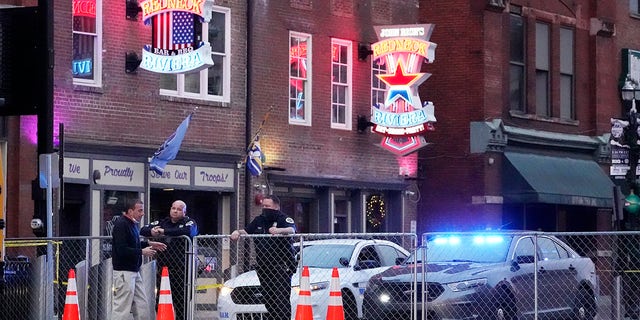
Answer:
(378, 87)
(543, 66)
(86, 64)
(341, 85)
(566, 74)
(554, 59)
(213, 83)
(634, 7)
(299, 78)
(517, 64)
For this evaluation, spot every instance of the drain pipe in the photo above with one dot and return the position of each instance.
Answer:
(248, 117)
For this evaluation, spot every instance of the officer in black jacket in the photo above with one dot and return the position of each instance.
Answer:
(275, 257)
(171, 229)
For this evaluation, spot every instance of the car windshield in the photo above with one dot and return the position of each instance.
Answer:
(466, 248)
(326, 255)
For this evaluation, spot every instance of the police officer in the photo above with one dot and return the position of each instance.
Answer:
(275, 257)
(171, 229)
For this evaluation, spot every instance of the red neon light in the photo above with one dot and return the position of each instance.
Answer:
(84, 8)
(399, 78)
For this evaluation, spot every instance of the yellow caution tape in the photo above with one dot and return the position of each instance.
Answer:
(209, 286)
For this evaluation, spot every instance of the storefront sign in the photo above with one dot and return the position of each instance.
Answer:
(76, 168)
(403, 119)
(172, 175)
(120, 173)
(175, 47)
(213, 177)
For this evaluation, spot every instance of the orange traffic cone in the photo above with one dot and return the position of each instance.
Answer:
(335, 311)
(71, 308)
(304, 311)
(165, 302)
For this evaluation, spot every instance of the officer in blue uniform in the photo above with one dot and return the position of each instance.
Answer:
(170, 230)
(275, 257)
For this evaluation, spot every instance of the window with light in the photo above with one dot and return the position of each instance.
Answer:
(86, 64)
(378, 87)
(299, 78)
(213, 83)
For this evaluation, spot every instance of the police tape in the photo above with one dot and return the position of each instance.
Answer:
(209, 286)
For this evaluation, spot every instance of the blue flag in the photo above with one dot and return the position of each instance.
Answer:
(254, 158)
(169, 149)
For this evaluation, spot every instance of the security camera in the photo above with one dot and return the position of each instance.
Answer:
(36, 224)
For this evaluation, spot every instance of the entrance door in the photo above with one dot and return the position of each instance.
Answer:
(202, 206)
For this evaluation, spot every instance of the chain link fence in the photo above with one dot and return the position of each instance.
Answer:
(484, 275)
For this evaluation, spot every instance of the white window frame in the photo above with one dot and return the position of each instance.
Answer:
(97, 51)
(204, 74)
(348, 86)
(377, 69)
(307, 88)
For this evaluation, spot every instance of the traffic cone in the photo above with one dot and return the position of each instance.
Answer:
(304, 311)
(335, 310)
(165, 302)
(71, 308)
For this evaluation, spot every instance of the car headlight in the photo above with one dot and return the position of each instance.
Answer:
(225, 291)
(467, 284)
(314, 286)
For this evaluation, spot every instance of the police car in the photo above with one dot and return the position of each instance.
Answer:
(357, 261)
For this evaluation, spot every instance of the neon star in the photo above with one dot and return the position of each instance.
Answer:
(399, 78)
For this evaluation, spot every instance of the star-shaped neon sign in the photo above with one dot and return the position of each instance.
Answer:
(399, 78)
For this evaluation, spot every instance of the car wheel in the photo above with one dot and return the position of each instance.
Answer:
(504, 307)
(585, 307)
(349, 305)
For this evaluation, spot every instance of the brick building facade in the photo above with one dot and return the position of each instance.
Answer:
(115, 119)
(331, 176)
(111, 117)
(526, 94)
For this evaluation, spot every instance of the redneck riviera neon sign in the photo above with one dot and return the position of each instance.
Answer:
(403, 119)
(174, 48)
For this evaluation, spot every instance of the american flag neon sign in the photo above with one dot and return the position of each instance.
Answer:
(174, 47)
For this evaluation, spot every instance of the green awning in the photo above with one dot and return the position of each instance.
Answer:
(532, 178)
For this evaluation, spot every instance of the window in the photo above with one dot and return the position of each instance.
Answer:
(634, 8)
(542, 69)
(390, 256)
(516, 64)
(299, 78)
(566, 74)
(86, 64)
(378, 87)
(525, 248)
(548, 249)
(213, 83)
(341, 65)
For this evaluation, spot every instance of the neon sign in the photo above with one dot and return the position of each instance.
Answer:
(82, 67)
(84, 8)
(174, 48)
(154, 7)
(403, 119)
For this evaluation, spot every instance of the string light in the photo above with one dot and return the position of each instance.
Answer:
(376, 211)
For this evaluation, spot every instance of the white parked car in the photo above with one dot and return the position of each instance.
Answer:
(357, 260)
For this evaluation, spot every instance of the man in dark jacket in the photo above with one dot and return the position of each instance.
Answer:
(275, 256)
(171, 230)
(128, 294)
